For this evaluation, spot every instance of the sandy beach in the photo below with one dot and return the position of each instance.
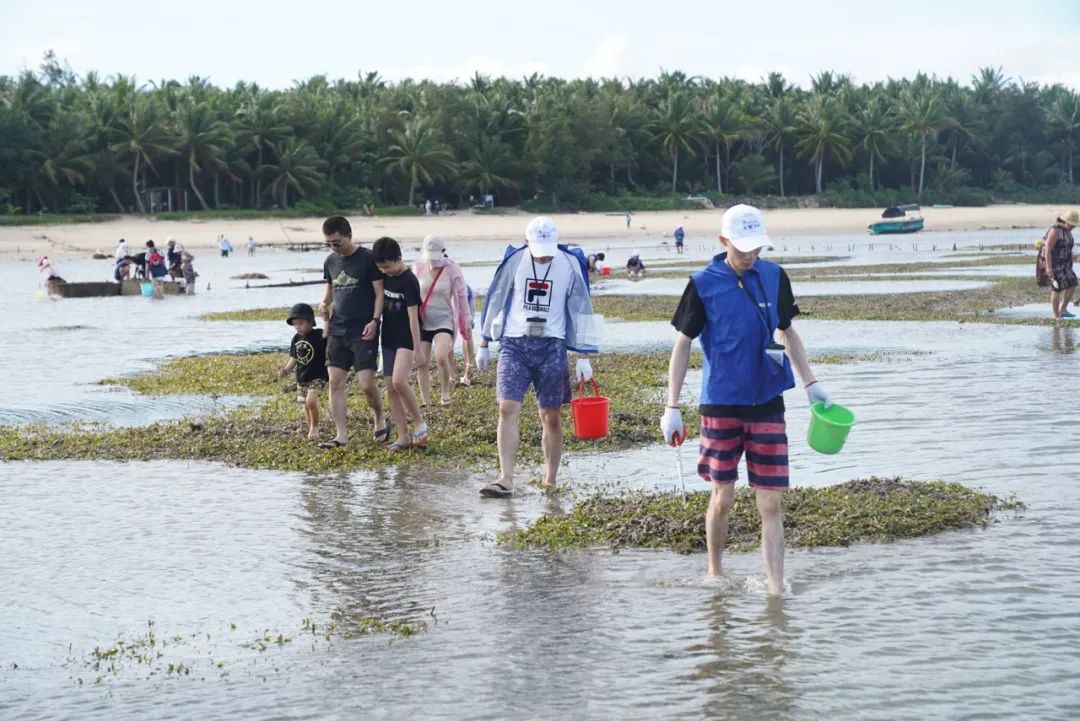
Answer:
(60, 241)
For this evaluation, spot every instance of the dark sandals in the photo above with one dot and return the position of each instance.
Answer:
(383, 434)
(332, 443)
(496, 490)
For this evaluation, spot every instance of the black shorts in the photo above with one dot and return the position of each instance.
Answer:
(428, 336)
(352, 353)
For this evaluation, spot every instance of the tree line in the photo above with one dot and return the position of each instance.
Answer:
(72, 143)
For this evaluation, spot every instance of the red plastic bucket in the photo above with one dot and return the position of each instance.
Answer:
(606, 270)
(590, 413)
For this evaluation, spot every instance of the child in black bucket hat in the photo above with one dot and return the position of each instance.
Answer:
(307, 355)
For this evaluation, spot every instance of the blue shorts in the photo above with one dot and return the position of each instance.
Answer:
(540, 362)
(158, 271)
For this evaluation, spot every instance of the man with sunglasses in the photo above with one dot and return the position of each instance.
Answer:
(354, 288)
(741, 306)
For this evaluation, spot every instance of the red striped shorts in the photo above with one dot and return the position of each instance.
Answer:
(723, 440)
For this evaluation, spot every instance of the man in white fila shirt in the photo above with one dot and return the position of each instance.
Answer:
(536, 307)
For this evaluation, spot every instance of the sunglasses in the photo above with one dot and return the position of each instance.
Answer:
(332, 243)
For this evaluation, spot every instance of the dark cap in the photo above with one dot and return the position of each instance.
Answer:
(301, 310)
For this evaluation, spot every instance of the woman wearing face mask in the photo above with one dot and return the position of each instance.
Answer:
(444, 312)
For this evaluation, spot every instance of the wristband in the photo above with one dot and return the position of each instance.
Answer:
(810, 383)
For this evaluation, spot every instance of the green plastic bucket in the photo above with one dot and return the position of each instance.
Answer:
(829, 427)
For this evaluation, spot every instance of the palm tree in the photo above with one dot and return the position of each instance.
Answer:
(822, 128)
(777, 125)
(921, 115)
(723, 122)
(963, 124)
(1064, 125)
(490, 165)
(677, 129)
(141, 135)
(775, 86)
(874, 127)
(339, 139)
(201, 140)
(420, 155)
(297, 167)
(259, 124)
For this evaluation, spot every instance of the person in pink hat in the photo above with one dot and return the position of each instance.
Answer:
(444, 312)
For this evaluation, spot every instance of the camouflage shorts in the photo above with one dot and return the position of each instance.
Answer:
(302, 389)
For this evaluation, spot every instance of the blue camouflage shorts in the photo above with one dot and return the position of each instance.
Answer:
(540, 362)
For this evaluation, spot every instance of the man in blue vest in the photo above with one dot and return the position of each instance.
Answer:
(741, 306)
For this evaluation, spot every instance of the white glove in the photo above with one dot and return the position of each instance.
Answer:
(816, 392)
(584, 370)
(673, 427)
(483, 358)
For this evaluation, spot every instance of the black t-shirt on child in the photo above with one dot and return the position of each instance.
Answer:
(399, 293)
(309, 350)
(351, 277)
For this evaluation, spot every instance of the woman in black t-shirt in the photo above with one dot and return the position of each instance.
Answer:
(400, 340)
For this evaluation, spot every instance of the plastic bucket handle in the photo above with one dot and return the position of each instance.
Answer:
(581, 388)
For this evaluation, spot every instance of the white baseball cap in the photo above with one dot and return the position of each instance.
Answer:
(433, 248)
(543, 237)
(745, 228)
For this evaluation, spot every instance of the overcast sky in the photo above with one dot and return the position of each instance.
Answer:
(275, 43)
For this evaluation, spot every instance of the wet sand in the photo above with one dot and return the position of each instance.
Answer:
(60, 241)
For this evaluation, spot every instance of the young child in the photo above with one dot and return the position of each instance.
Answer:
(400, 340)
(156, 269)
(307, 354)
(188, 269)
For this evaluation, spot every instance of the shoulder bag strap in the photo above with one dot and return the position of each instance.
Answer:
(431, 287)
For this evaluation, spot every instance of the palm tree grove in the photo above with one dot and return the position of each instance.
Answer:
(81, 145)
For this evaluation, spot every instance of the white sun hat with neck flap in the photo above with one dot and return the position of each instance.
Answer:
(744, 227)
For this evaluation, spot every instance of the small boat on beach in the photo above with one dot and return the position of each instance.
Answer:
(895, 219)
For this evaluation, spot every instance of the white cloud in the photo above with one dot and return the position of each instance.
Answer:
(607, 58)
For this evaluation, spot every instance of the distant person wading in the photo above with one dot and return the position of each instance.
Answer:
(1056, 258)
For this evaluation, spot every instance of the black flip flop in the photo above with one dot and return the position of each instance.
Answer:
(332, 443)
(384, 434)
(496, 490)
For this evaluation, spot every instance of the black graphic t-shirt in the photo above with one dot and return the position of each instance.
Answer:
(354, 299)
(309, 350)
(399, 292)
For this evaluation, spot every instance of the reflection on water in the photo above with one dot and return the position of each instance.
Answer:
(744, 658)
(969, 624)
(1061, 340)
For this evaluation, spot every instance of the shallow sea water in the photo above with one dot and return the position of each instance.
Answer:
(972, 624)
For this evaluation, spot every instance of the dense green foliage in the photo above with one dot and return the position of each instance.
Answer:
(84, 144)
